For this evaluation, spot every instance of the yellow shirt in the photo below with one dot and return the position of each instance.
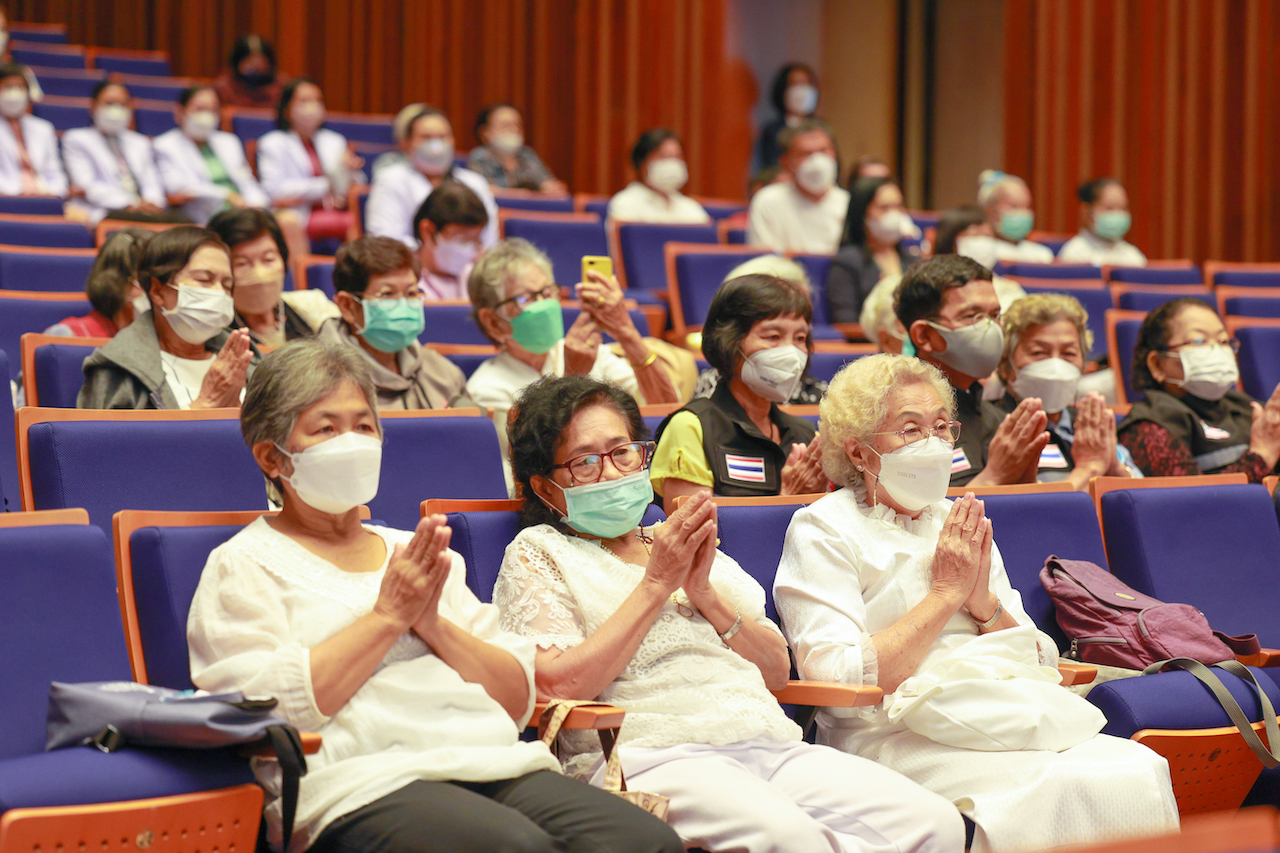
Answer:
(680, 454)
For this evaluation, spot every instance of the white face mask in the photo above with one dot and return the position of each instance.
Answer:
(892, 227)
(506, 143)
(200, 125)
(201, 312)
(978, 247)
(1053, 380)
(775, 373)
(973, 350)
(141, 304)
(339, 474)
(801, 100)
(668, 174)
(917, 474)
(434, 156)
(453, 256)
(308, 116)
(110, 119)
(817, 173)
(13, 102)
(1208, 372)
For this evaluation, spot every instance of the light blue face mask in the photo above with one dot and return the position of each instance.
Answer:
(1015, 225)
(1112, 225)
(609, 508)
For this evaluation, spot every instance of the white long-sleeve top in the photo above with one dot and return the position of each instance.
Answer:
(786, 220)
(94, 167)
(41, 142)
(850, 571)
(183, 170)
(264, 601)
(286, 171)
(400, 189)
(1088, 248)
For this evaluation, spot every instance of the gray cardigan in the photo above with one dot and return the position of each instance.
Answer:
(126, 373)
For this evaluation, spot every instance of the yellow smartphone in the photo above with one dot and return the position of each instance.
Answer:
(600, 263)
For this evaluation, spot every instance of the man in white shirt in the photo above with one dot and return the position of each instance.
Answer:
(655, 195)
(400, 188)
(1006, 199)
(1104, 220)
(805, 211)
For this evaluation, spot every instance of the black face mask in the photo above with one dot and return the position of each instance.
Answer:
(256, 78)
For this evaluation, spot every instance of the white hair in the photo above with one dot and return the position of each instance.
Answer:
(877, 308)
(777, 266)
(992, 185)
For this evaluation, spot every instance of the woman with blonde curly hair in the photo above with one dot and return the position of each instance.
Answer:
(886, 582)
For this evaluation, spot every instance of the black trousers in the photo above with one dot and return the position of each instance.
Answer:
(540, 812)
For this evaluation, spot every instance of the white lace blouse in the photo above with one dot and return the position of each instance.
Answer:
(264, 601)
(682, 686)
(850, 571)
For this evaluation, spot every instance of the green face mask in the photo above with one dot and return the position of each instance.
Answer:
(1015, 225)
(390, 325)
(539, 327)
(1112, 224)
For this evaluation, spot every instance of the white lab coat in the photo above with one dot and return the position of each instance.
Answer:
(93, 167)
(286, 172)
(400, 189)
(182, 170)
(42, 147)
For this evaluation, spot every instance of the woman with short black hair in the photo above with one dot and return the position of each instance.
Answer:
(661, 171)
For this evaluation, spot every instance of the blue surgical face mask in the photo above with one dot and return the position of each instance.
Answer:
(610, 508)
(390, 325)
(1015, 225)
(1112, 224)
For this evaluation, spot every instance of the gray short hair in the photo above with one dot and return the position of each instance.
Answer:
(778, 266)
(877, 309)
(855, 405)
(292, 379)
(487, 284)
(992, 185)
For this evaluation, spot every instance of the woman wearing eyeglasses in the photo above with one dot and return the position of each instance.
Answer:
(516, 303)
(1192, 419)
(656, 620)
(886, 582)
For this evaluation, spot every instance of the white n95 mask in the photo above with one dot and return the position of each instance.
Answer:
(1208, 372)
(917, 474)
(668, 174)
(775, 373)
(1053, 380)
(201, 312)
(817, 173)
(337, 475)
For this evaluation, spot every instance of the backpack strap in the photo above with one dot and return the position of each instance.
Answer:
(1229, 704)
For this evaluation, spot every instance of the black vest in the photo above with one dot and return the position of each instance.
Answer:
(743, 460)
(1216, 431)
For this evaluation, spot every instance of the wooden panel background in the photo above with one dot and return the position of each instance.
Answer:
(1176, 98)
(589, 75)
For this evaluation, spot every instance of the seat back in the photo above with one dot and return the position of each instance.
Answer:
(50, 231)
(816, 268)
(1076, 271)
(32, 205)
(106, 461)
(438, 454)
(63, 270)
(1248, 278)
(38, 33)
(53, 368)
(1153, 275)
(694, 273)
(1096, 301)
(1030, 527)
(362, 128)
(1122, 336)
(49, 55)
(159, 559)
(825, 365)
(1147, 298)
(564, 240)
(154, 119)
(132, 62)
(533, 201)
(31, 311)
(62, 623)
(317, 272)
(10, 494)
(1213, 547)
(1259, 359)
(63, 113)
(753, 533)
(640, 245)
(721, 208)
(251, 124)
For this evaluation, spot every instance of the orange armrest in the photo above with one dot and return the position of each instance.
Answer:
(310, 746)
(1076, 673)
(584, 717)
(1266, 657)
(828, 693)
(851, 331)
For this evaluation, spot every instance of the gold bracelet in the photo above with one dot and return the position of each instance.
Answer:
(653, 356)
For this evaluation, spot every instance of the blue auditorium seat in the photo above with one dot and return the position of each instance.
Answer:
(1213, 547)
(68, 629)
(1069, 271)
(249, 127)
(736, 236)
(9, 495)
(1247, 278)
(366, 129)
(468, 362)
(320, 276)
(37, 205)
(37, 33)
(825, 365)
(641, 246)
(1054, 244)
(754, 536)
(49, 232)
(1126, 339)
(699, 275)
(152, 121)
(1150, 300)
(599, 208)
(69, 82)
(435, 457)
(1155, 275)
(145, 66)
(39, 271)
(1252, 306)
(63, 116)
(719, 209)
(157, 90)
(48, 56)
(19, 315)
(1259, 360)
(565, 243)
(59, 373)
(542, 204)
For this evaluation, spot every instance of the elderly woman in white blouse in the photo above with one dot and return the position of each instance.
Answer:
(656, 620)
(371, 637)
(886, 582)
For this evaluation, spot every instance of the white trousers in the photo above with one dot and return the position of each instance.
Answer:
(764, 796)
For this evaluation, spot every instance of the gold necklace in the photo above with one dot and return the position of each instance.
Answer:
(684, 607)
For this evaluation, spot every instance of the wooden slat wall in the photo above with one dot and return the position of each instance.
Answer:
(589, 75)
(1176, 98)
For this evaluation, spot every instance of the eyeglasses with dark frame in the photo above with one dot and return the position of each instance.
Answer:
(523, 300)
(1234, 343)
(947, 431)
(627, 458)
